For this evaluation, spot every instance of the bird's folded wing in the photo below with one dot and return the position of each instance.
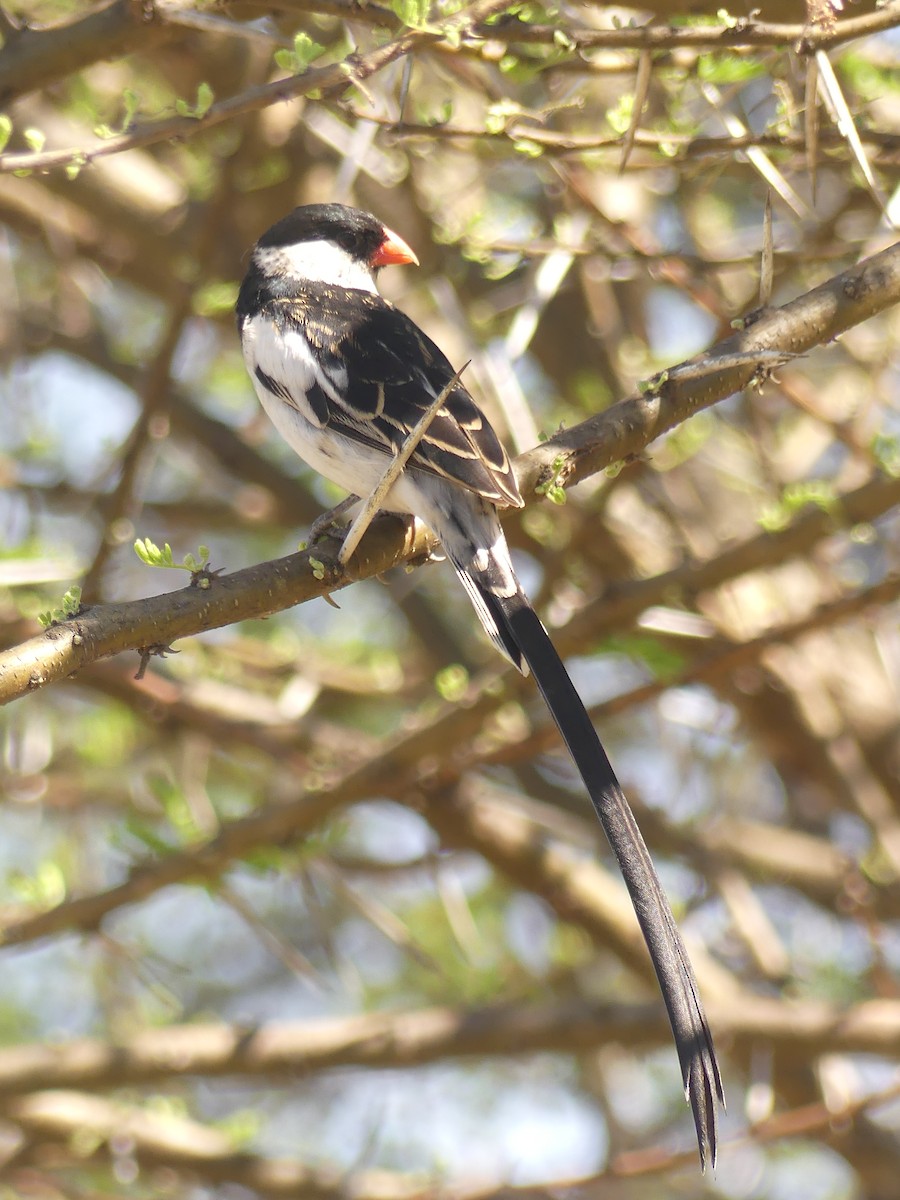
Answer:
(377, 373)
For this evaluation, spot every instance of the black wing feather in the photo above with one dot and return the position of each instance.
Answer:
(385, 372)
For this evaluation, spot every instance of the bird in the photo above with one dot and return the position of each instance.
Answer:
(344, 376)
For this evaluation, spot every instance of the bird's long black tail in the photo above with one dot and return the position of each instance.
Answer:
(471, 535)
(521, 629)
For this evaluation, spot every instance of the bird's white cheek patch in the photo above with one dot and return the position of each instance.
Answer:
(318, 262)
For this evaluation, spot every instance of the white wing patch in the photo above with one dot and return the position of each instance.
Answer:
(288, 360)
(289, 363)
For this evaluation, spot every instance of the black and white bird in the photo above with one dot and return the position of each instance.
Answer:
(345, 376)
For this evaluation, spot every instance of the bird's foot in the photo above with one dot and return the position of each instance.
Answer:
(329, 524)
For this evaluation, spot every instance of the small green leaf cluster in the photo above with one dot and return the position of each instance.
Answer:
(619, 117)
(796, 496)
(498, 115)
(552, 488)
(729, 68)
(198, 110)
(451, 682)
(413, 13)
(305, 51)
(151, 554)
(132, 101)
(652, 387)
(71, 603)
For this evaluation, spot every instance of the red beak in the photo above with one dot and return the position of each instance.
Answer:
(393, 251)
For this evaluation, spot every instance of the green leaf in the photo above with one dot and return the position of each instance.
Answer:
(552, 488)
(6, 126)
(73, 169)
(728, 68)
(148, 552)
(35, 139)
(306, 50)
(412, 12)
(132, 100)
(451, 682)
(619, 117)
(72, 600)
(819, 493)
(195, 564)
(69, 607)
(652, 387)
(205, 97)
(151, 554)
(500, 114)
(527, 147)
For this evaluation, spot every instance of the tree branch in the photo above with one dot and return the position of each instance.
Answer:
(799, 1029)
(622, 431)
(33, 58)
(332, 79)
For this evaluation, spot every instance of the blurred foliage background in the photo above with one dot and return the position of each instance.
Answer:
(315, 907)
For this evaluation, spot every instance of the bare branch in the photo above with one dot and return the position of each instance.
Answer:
(377, 1041)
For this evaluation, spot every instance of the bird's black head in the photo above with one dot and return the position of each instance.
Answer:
(359, 234)
(319, 245)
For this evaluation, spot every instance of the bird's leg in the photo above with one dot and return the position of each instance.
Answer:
(329, 522)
